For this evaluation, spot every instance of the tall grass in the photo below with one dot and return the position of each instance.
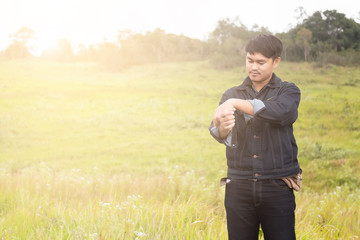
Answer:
(87, 154)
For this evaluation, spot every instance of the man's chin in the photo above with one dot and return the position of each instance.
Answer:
(255, 78)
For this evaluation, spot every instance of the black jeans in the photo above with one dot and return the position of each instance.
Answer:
(269, 203)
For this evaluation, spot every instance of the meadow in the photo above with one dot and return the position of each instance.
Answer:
(90, 154)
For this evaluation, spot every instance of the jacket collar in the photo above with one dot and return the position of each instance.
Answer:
(273, 83)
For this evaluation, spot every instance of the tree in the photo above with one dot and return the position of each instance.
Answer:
(344, 33)
(109, 57)
(62, 51)
(287, 43)
(334, 30)
(317, 26)
(157, 46)
(303, 38)
(21, 43)
(227, 28)
(301, 14)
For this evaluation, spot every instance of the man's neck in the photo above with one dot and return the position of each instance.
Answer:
(259, 86)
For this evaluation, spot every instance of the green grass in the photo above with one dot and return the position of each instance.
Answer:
(88, 154)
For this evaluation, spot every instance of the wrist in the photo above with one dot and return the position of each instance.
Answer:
(231, 103)
(223, 133)
(236, 103)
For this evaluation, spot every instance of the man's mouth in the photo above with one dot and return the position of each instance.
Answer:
(254, 73)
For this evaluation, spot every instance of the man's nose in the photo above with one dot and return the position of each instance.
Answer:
(254, 66)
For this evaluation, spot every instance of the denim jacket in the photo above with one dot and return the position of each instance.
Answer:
(263, 146)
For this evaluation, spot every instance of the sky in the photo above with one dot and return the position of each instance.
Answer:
(93, 21)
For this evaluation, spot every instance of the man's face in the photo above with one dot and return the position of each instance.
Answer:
(260, 68)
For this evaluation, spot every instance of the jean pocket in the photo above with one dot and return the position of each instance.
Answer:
(280, 184)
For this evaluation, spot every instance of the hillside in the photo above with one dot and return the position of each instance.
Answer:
(89, 154)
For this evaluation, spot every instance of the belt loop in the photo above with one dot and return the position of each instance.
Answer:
(224, 181)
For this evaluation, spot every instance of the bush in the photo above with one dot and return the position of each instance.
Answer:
(222, 61)
(344, 58)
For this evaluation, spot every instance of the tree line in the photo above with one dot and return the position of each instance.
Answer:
(326, 37)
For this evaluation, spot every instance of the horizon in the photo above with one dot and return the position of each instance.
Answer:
(194, 20)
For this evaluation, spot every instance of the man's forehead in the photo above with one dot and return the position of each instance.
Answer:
(257, 56)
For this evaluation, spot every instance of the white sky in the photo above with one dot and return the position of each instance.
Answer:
(91, 21)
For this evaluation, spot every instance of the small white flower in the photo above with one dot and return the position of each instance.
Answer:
(93, 235)
(140, 234)
(104, 203)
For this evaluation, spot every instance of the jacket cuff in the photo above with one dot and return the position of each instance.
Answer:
(214, 131)
(257, 105)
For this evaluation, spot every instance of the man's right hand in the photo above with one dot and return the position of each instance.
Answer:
(224, 118)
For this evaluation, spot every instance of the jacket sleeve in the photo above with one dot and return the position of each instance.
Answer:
(230, 140)
(281, 109)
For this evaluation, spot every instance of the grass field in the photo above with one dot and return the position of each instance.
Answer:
(90, 154)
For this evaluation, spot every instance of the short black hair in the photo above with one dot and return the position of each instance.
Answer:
(266, 44)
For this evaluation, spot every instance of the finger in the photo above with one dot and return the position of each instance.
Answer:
(228, 117)
(229, 111)
(223, 113)
(227, 123)
(229, 127)
(216, 122)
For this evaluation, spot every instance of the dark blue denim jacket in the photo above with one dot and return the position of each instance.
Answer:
(264, 146)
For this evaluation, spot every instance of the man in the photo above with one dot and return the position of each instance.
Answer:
(255, 122)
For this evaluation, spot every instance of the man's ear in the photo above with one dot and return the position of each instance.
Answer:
(276, 62)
